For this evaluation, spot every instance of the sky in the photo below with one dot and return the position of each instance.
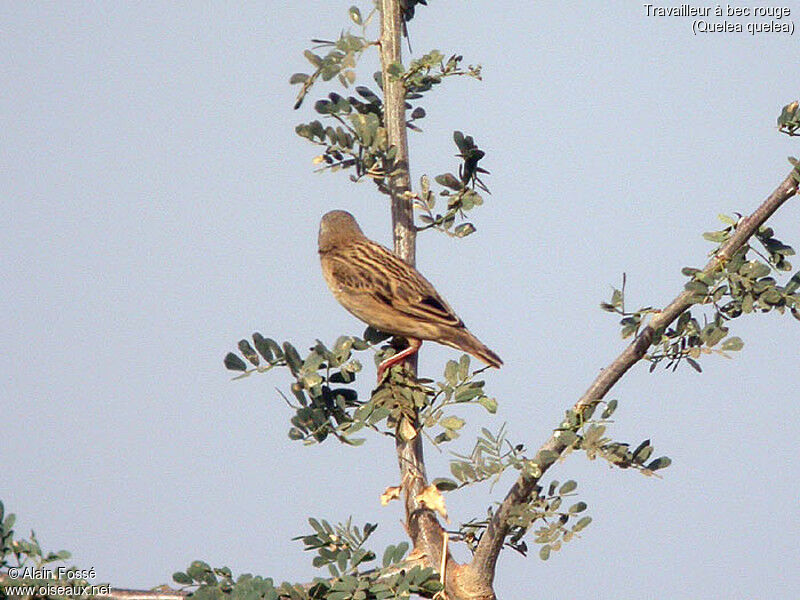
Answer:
(158, 207)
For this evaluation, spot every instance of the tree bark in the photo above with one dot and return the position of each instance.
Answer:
(426, 534)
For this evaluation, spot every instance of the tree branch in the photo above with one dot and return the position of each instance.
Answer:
(426, 534)
(485, 557)
(123, 594)
(394, 115)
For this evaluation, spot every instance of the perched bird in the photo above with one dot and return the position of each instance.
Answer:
(384, 291)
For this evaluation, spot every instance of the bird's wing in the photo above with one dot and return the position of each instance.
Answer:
(369, 268)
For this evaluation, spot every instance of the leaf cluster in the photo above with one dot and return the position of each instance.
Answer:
(460, 192)
(430, 70)
(358, 141)
(580, 431)
(490, 457)
(553, 532)
(339, 62)
(743, 284)
(459, 387)
(493, 454)
(323, 402)
(789, 119)
(341, 549)
(206, 583)
(23, 552)
(556, 523)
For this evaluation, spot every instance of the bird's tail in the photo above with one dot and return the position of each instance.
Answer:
(464, 340)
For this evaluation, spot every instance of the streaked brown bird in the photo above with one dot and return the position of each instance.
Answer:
(384, 291)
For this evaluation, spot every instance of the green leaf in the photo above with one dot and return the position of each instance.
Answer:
(660, 463)
(609, 409)
(469, 391)
(569, 486)
(388, 555)
(198, 570)
(463, 366)
(490, 404)
(577, 507)
(263, 347)
(234, 363)
(464, 230)
(355, 15)
(713, 334)
(793, 285)
(373, 336)
(716, 236)
(451, 372)
(583, 523)
(292, 358)
(566, 436)
(395, 69)
(182, 578)
(247, 351)
(9, 523)
(733, 344)
(315, 60)
(443, 484)
(544, 552)
(452, 423)
(449, 180)
(642, 452)
(400, 551)
(696, 287)
(458, 138)
(298, 78)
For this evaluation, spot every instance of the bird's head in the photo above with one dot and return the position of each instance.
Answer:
(336, 228)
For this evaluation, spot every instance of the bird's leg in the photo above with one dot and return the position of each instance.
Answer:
(413, 347)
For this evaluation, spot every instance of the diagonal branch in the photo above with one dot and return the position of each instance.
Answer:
(485, 557)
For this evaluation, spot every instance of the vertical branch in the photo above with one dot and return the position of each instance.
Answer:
(394, 114)
(422, 524)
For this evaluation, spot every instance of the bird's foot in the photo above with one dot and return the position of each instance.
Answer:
(413, 347)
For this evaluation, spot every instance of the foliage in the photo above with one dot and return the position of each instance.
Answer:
(357, 139)
(33, 566)
(489, 459)
(744, 284)
(493, 454)
(22, 552)
(545, 510)
(338, 548)
(789, 119)
(460, 192)
(582, 432)
(326, 406)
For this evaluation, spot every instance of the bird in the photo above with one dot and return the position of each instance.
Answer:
(384, 291)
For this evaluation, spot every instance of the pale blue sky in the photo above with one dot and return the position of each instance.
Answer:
(158, 207)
